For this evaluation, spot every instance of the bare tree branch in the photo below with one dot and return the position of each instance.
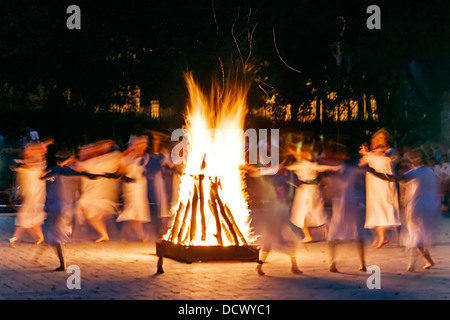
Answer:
(278, 52)
(223, 78)
(343, 27)
(263, 90)
(250, 43)
(215, 17)
(234, 37)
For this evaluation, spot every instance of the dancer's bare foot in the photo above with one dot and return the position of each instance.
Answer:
(410, 269)
(160, 269)
(38, 242)
(428, 265)
(259, 270)
(381, 243)
(307, 239)
(333, 267)
(362, 268)
(375, 242)
(12, 242)
(102, 239)
(296, 270)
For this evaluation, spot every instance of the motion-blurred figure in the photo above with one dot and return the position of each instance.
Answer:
(276, 231)
(30, 215)
(348, 212)
(307, 208)
(99, 197)
(382, 203)
(55, 233)
(136, 210)
(157, 193)
(423, 207)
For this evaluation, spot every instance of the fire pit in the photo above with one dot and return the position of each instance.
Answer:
(191, 254)
(212, 218)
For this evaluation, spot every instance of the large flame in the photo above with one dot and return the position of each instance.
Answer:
(215, 152)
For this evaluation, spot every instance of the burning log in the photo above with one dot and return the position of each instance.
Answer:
(193, 228)
(177, 221)
(184, 224)
(183, 231)
(202, 206)
(227, 232)
(201, 177)
(233, 223)
(229, 221)
(215, 213)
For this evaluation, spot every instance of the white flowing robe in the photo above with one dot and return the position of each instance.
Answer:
(32, 189)
(382, 207)
(135, 200)
(422, 207)
(307, 208)
(99, 196)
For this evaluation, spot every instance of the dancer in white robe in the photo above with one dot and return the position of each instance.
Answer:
(307, 208)
(31, 215)
(382, 202)
(136, 209)
(422, 209)
(99, 197)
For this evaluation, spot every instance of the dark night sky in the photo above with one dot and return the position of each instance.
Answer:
(151, 44)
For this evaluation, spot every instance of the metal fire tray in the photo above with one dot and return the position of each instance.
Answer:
(191, 254)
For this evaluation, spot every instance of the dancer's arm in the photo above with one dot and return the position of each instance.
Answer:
(66, 171)
(112, 175)
(325, 168)
(387, 176)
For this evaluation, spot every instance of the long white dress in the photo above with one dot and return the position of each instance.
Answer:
(135, 201)
(99, 196)
(307, 208)
(422, 207)
(382, 207)
(32, 189)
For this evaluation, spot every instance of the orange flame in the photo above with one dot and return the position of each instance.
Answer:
(215, 153)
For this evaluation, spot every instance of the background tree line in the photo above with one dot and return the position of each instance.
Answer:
(60, 80)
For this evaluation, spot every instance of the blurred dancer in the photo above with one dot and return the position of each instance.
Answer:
(307, 209)
(382, 209)
(54, 203)
(156, 185)
(273, 185)
(72, 192)
(423, 206)
(99, 197)
(348, 212)
(136, 210)
(31, 215)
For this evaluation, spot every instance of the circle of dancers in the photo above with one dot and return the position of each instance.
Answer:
(370, 193)
(57, 192)
(373, 191)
